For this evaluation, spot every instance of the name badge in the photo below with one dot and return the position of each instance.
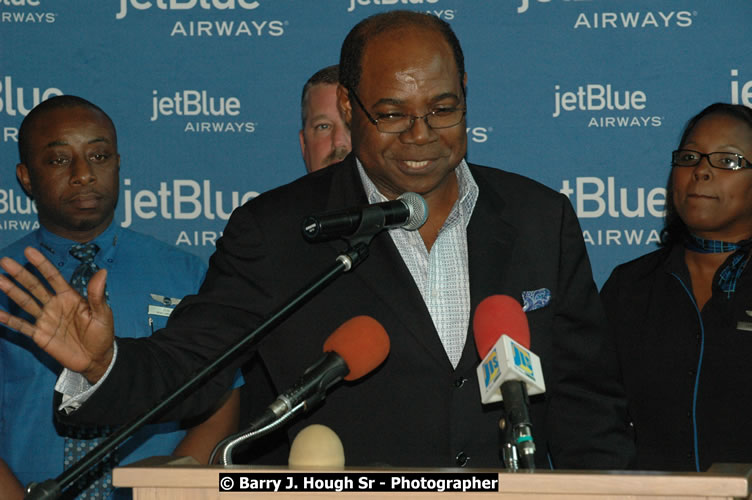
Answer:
(160, 310)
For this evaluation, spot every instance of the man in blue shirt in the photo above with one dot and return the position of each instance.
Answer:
(70, 166)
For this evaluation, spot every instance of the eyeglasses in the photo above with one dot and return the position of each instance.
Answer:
(396, 123)
(719, 159)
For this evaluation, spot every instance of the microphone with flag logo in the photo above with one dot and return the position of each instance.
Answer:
(509, 372)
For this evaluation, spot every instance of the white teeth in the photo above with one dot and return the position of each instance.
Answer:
(416, 164)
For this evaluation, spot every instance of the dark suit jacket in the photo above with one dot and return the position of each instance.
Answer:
(414, 410)
(686, 374)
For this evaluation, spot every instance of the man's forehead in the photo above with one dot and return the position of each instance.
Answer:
(84, 115)
(50, 128)
(428, 43)
(93, 140)
(424, 63)
(79, 116)
(322, 89)
(322, 101)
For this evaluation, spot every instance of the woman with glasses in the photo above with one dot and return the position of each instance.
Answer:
(682, 315)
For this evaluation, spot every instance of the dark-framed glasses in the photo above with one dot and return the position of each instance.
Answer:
(718, 159)
(442, 116)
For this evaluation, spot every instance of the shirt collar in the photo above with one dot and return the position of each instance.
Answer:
(56, 247)
(466, 186)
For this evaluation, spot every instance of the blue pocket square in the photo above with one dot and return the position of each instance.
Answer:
(535, 299)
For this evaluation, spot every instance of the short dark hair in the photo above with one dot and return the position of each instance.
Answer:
(328, 75)
(351, 56)
(674, 229)
(57, 102)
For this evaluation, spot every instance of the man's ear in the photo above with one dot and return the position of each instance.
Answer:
(302, 143)
(343, 104)
(22, 172)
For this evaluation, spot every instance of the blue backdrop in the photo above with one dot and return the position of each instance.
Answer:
(586, 96)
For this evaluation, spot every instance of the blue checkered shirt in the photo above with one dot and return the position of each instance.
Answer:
(441, 275)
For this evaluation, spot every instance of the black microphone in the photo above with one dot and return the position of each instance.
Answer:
(354, 349)
(409, 211)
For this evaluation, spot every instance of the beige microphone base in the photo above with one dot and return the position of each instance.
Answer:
(317, 446)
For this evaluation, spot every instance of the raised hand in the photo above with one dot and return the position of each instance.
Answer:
(76, 331)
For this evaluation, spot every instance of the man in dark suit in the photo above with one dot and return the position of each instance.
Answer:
(488, 232)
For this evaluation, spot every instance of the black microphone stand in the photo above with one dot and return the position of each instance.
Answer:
(357, 251)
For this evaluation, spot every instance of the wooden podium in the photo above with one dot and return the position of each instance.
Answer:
(152, 480)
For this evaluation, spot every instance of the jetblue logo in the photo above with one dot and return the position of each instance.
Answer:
(355, 3)
(526, 5)
(15, 99)
(15, 16)
(597, 97)
(741, 92)
(522, 361)
(595, 198)
(185, 5)
(193, 103)
(491, 369)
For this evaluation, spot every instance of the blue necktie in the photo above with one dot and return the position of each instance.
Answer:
(85, 252)
(97, 482)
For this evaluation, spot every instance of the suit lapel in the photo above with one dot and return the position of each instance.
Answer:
(490, 243)
(384, 265)
(404, 301)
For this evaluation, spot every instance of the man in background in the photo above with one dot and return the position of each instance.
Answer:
(324, 138)
(69, 164)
